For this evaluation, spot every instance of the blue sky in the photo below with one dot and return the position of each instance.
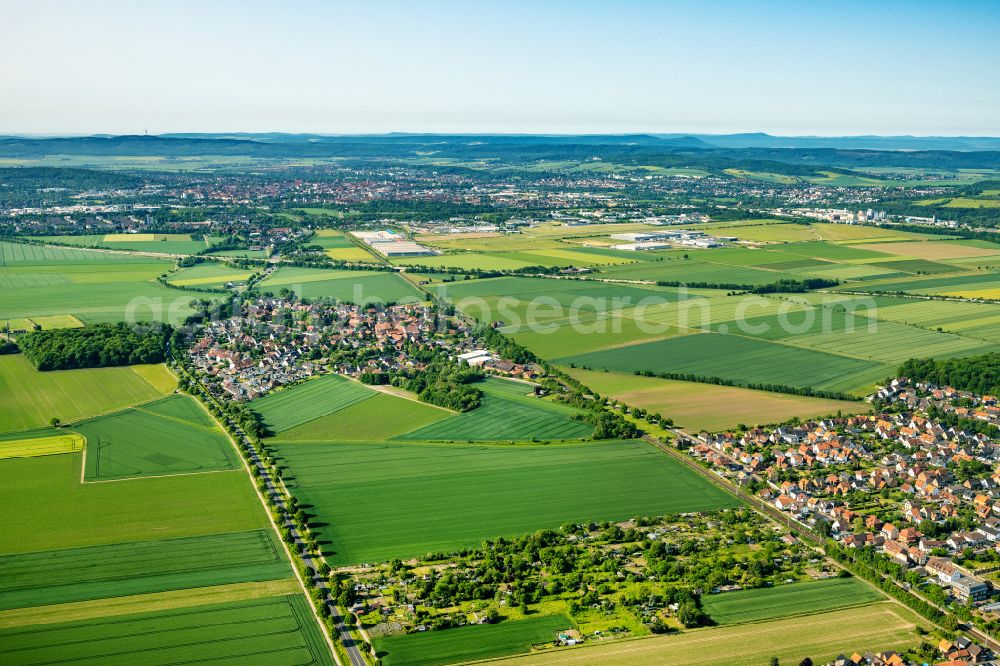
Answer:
(780, 67)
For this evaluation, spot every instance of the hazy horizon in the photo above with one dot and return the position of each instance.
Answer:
(849, 69)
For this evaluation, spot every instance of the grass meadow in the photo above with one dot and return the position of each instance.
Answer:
(372, 502)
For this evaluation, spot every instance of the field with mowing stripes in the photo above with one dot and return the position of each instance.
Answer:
(291, 407)
(29, 398)
(276, 630)
(708, 406)
(348, 286)
(481, 641)
(790, 599)
(367, 421)
(88, 285)
(170, 436)
(881, 626)
(742, 360)
(97, 572)
(505, 413)
(208, 275)
(374, 502)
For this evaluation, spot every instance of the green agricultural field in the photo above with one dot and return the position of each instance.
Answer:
(535, 303)
(158, 243)
(169, 436)
(741, 360)
(92, 285)
(836, 331)
(823, 636)
(275, 630)
(708, 406)
(45, 442)
(374, 502)
(20, 255)
(696, 269)
(590, 332)
(100, 572)
(56, 510)
(291, 407)
(790, 599)
(506, 414)
(368, 421)
(480, 641)
(29, 398)
(208, 275)
(347, 286)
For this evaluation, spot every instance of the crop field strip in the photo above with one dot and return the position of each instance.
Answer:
(46, 281)
(697, 406)
(29, 398)
(876, 627)
(291, 407)
(97, 572)
(502, 418)
(789, 599)
(469, 643)
(419, 498)
(367, 421)
(276, 630)
(739, 359)
(347, 286)
(142, 441)
(44, 443)
(46, 490)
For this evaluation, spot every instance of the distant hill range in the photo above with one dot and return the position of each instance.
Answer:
(865, 142)
(758, 152)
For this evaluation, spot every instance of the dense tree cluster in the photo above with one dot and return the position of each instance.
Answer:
(96, 346)
(978, 374)
(444, 383)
